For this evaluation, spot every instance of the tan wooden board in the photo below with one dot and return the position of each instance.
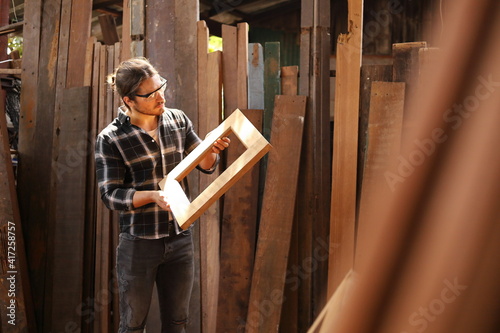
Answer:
(345, 148)
(273, 244)
(242, 70)
(187, 212)
(210, 219)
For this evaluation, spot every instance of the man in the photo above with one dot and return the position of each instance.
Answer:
(133, 153)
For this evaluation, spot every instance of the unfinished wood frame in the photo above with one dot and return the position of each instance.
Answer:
(185, 212)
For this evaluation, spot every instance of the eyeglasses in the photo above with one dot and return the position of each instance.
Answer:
(154, 94)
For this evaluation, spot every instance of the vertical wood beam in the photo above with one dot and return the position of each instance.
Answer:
(210, 220)
(255, 76)
(345, 147)
(81, 16)
(230, 66)
(314, 184)
(242, 70)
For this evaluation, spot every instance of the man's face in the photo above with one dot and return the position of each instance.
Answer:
(150, 97)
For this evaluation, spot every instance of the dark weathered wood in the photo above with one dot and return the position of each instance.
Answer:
(230, 65)
(238, 235)
(384, 139)
(268, 279)
(210, 220)
(290, 307)
(315, 167)
(272, 86)
(27, 120)
(35, 148)
(406, 64)
(68, 238)
(369, 74)
(81, 15)
(108, 29)
(345, 149)
(15, 294)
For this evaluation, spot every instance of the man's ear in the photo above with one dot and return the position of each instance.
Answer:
(127, 100)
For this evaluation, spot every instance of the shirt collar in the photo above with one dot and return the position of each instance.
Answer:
(123, 118)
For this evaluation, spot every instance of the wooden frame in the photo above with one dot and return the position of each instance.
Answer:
(186, 212)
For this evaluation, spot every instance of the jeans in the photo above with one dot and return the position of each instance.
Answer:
(141, 262)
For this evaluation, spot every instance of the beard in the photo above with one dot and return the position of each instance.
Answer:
(157, 110)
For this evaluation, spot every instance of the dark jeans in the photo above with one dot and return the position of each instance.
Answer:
(141, 262)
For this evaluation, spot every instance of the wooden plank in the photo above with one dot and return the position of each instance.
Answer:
(126, 33)
(27, 120)
(238, 236)
(81, 15)
(242, 70)
(108, 29)
(184, 211)
(272, 85)
(290, 308)
(315, 166)
(268, 277)
(230, 66)
(137, 17)
(289, 80)
(89, 56)
(92, 194)
(369, 74)
(202, 79)
(15, 295)
(406, 64)
(305, 187)
(210, 219)
(35, 154)
(60, 169)
(10, 71)
(68, 238)
(384, 139)
(255, 76)
(345, 147)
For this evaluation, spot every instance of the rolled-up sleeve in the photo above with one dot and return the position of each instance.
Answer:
(110, 172)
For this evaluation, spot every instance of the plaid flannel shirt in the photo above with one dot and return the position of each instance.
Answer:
(129, 160)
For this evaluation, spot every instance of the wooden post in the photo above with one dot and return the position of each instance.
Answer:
(81, 16)
(210, 220)
(313, 206)
(255, 76)
(230, 66)
(242, 70)
(345, 148)
(384, 139)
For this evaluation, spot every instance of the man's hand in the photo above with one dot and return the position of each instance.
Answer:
(220, 144)
(161, 200)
